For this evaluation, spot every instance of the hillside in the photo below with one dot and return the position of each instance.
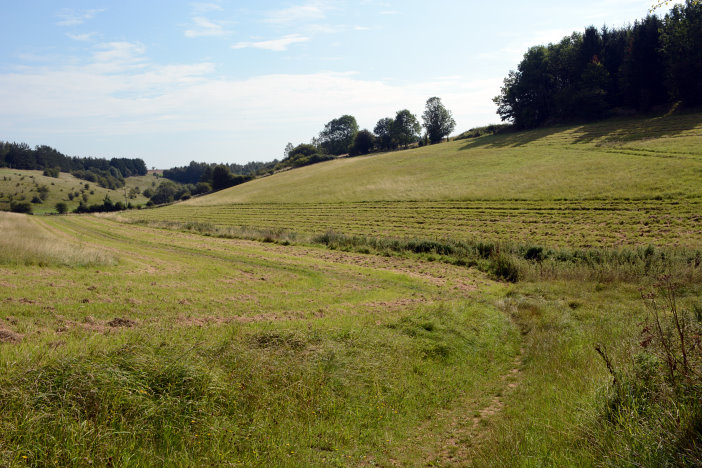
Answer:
(621, 158)
(22, 185)
(627, 182)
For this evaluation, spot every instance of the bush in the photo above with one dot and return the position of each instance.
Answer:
(21, 207)
(61, 208)
(657, 396)
(52, 172)
(504, 268)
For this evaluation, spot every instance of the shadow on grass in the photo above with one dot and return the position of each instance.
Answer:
(608, 131)
(512, 139)
(623, 130)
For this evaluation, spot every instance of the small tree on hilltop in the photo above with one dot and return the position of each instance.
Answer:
(338, 134)
(383, 130)
(363, 143)
(405, 128)
(438, 120)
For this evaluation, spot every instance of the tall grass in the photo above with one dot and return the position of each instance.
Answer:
(508, 261)
(25, 242)
(312, 394)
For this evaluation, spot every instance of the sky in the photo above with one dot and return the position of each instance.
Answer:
(234, 81)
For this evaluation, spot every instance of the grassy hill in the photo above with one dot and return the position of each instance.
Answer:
(622, 158)
(479, 303)
(23, 185)
(623, 182)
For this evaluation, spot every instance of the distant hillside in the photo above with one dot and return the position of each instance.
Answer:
(25, 186)
(621, 158)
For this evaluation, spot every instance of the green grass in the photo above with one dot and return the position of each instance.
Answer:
(22, 185)
(365, 321)
(634, 158)
(582, 224)
(195, 351)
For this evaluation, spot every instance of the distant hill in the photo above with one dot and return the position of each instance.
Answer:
(25, 186)
(649, 157)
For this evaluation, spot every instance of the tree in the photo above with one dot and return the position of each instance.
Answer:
(438, 120)
(363, 143)
(221, 177)
(682, 40)
(338, 134)
(61, 208)
(165, 192)
(383, 130)
(405, 128)
(288, 150)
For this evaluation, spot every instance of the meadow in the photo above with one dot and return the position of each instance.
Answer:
(436, 320)
(23, 186)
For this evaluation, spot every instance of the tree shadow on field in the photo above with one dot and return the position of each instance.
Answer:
(610, 131)
(512, 139)
(624, 130)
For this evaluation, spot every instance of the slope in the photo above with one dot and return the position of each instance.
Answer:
(621, 158)
(23, 185)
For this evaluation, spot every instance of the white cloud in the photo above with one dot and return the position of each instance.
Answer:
(204, 27)
(204, 7)
(81, 37)
(311, 11)
(130, 105)
(68, 17)
(277, 45)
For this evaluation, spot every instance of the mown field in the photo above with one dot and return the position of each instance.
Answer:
(534, 299)
(642, 158)
(591, 223)
(619, 183)
(129, 345)
(23, 186)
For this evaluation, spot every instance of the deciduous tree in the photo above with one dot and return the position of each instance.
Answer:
(438, 120)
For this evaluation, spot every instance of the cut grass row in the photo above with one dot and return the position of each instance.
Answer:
(575, 224)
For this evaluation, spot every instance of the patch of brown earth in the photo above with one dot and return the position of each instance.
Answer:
(121, 322)
(8, 336)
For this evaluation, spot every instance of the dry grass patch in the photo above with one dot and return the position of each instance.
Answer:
(26, 242)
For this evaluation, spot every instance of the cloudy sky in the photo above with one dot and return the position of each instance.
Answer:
(235, 80)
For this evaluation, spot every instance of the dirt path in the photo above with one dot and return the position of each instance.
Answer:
(452, 437)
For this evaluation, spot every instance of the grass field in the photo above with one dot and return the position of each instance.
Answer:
(21, 185)
(189, 350)
(535, 299)
(593, 223)
(634, 182)
(633, 159)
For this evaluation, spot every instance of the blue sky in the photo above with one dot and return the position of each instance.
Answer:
(234, 81)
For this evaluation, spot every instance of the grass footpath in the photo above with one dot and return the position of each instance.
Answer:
(190, 350)
(133, 364)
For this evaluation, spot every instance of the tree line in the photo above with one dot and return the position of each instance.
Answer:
(338, 137)
(342, 135)
(106, 173)
(654, 62)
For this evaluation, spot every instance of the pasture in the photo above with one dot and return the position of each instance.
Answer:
(179, 349)
(519, 303)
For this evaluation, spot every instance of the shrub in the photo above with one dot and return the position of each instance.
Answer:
(657, 397)
(504, 268)
(21, 207)
(61, 208)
